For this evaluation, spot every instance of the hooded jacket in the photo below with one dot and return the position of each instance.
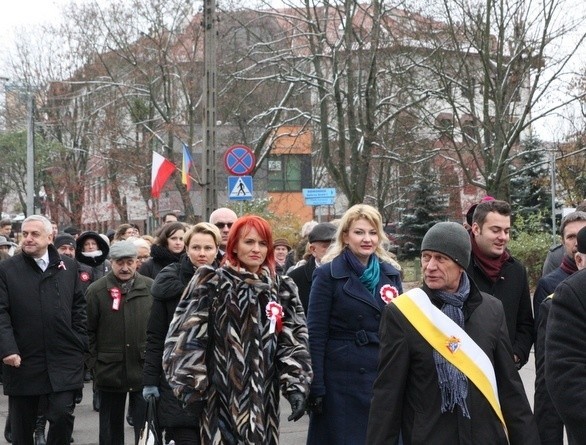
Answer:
(99, 264)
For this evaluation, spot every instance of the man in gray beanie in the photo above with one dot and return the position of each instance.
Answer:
(440, 346)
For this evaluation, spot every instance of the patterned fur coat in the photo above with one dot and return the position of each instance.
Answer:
(247, 363)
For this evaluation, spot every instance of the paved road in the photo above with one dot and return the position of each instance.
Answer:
(292, 433)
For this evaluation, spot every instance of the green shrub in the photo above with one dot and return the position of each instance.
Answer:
(529, 244)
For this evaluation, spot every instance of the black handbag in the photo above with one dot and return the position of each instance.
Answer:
(149, 434)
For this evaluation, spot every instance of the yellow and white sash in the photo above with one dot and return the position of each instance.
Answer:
(452, 342)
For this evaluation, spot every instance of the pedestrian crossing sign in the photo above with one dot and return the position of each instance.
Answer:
(240, 188)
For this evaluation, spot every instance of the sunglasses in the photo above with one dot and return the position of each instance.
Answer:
(221, 225)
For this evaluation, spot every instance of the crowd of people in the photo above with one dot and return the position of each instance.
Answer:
(216, 321)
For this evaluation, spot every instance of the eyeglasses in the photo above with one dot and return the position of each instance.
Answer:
(221, 225)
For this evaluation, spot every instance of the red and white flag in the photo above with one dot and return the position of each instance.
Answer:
(161, 170)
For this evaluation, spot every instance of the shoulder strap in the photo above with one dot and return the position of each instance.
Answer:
(452, 343)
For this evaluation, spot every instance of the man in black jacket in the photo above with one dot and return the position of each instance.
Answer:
(319, 239)
(428, 390)
(42, 334)
(497, 273)
(565, 355)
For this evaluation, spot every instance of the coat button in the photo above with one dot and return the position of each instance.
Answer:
(360, 317)
(128, 346)
(377, 316)
(362, 371)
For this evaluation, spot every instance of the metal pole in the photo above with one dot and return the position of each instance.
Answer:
(210, 195)
(552, 172)
(30, 158)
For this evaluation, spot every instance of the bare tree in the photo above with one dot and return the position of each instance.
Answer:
(497, 64)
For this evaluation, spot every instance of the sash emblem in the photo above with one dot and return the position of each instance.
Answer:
(453, 344)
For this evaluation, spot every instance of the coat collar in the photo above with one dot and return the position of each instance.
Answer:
(340, 269)
(139, 287)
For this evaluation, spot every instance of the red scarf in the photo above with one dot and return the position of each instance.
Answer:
(490, 266)
(569, 265)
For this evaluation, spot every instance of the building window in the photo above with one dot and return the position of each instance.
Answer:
(285, 173)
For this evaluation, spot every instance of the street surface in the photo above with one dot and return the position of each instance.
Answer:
(292, 433)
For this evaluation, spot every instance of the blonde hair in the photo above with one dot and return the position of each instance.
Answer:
(353, 214)
(206, 229)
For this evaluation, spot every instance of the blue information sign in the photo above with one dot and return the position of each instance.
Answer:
(319, 197)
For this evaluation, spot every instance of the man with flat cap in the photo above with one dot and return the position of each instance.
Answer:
(118, 307)
(319, 239)
(446, 372)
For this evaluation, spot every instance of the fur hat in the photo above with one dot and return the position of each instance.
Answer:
(581, 238)
(64, 239)
(322, 232)
(451, 239)
(123, 249)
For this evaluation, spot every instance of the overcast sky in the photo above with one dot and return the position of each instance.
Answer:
(20, 15)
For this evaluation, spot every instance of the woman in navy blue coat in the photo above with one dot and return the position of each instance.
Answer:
(349, 291)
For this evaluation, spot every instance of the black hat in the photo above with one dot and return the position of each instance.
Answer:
(581, 238)
(64, 239)
(72, 230)
(451, 239)
(322, 232)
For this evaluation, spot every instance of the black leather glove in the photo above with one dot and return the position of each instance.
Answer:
(297, 401)
(316, 405)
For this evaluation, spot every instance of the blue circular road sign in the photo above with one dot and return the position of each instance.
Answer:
(239, 160)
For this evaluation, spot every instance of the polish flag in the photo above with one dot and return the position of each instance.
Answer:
(161, 170)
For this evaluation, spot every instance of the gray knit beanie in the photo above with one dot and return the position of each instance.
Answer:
(451, 239)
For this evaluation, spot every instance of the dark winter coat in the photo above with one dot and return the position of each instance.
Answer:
(43, 319)
(512, 289)
(407, 399)
(343, 323)
(118, 338)
(545, 287)
(565, 355)
(160, 258)
(302, 276)
(100, 265)
(167, 290)
(549, 422)
(249, 362)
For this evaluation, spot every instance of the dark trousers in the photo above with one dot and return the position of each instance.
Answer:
(112, 416)
(58, 410)
(183, 436)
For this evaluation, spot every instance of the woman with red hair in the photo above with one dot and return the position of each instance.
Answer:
(238, 335)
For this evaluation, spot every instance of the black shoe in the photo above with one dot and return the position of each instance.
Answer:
(96, 401)
(8, 431)
(78, 396)
(40, 437)
(129, 420)
(40, 431)
(87, 377)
